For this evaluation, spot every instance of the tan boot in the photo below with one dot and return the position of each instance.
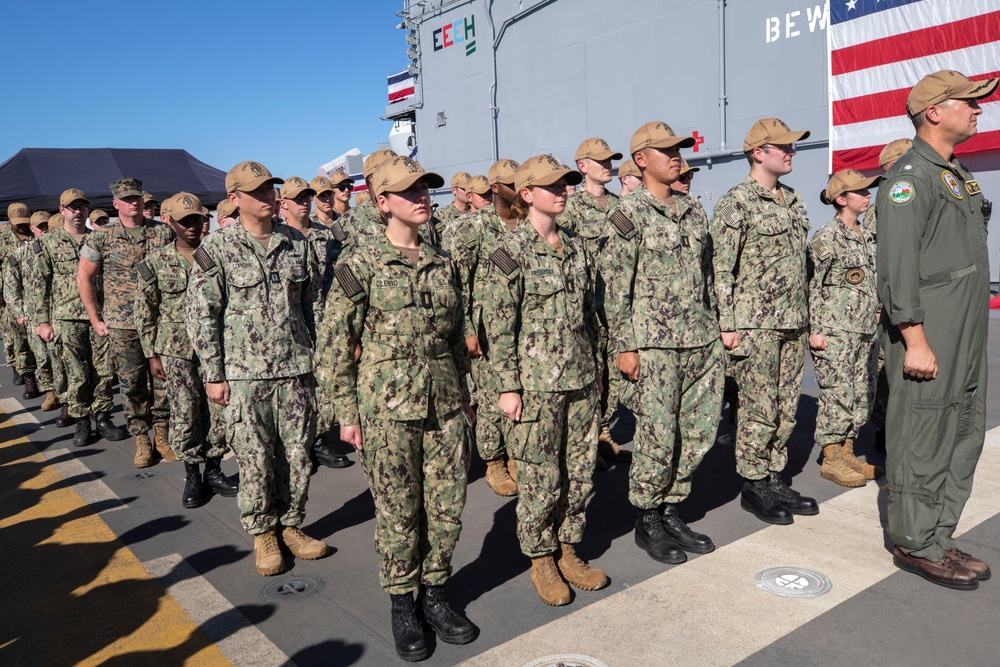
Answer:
(499, 479)
(512, 469)
(836, 470)
(143, 451)
(51, 402)
(546, 580)
(867, 470)
(301, 545)
(162, 441)
(577, 572)
(267, 554)
(609, 449)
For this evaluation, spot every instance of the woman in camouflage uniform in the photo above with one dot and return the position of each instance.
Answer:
(542, 326)
(842, 320)
(401, 402)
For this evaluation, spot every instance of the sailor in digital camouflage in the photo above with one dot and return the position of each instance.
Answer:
(15, 335)
(843, 305)
(113, 252)
(249, 315)
(542, 331)
(401, 403)
(664, 335)
(460, 204)
(759, 231)
(197, 426)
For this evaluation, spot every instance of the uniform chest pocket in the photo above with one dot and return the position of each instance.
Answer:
(662, 254)
(123, 258)
(854, 270)
(293, 268)
(173, 282)
(543, 298)
(389, 311)
(775, 237)
(244, 276)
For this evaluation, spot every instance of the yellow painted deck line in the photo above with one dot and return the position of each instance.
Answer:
(74, 594)
(710, 611)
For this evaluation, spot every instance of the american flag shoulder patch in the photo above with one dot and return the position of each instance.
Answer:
(503, 261)
(145, 271)
(204, 261)
(348, 282)
(622, 223)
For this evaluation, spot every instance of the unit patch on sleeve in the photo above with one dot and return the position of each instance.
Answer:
(901, 192)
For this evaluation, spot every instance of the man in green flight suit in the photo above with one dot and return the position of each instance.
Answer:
(934, 285)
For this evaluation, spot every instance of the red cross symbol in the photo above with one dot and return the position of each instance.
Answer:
(698, 140)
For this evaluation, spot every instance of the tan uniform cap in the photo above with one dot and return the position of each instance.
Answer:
(400, 173)
(848, 180)
(687, 169)
(18, 213)
(544, 170)
(225, 209)
(478, 184)
(461, 180)
(95, 215)
(503, 172)
(375, 159)
(56, 222)
(72, 195)
(38, 217)
(629, 168)
(362, 198)
(248, 176)
(183, 204)
(126, 187)
(946, 85)
(596, 148)
(657, 134)
(893, 151)
(295, 186)
(146, 198)
(771, 131)
(340, 176)
(321, 184)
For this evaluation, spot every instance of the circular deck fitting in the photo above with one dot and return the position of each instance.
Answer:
(567, 660)
(793, 582)
(139, 476)
(291, 588)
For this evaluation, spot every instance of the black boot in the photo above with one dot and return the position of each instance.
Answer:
(324, 454)
(18, 380)
(82, 436)
(30, 386)
(448, 625)
(194, 492)
(64, 420)
(686, 539)
(217, 480)
(790, 499)
(107, 429)
(650, 535)
(880, 440)
(758, 499)
(406, 630)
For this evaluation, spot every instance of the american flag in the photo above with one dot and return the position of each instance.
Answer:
(880, 48)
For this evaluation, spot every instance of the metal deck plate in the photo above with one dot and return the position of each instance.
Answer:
(793, 582)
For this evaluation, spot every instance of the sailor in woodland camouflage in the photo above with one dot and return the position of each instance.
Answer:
(197, 426)
(113, 252)
(759, 233)
(401, 402)
(473, 238)
(326, 245)
(586, 214)
(249, 314)
(15, 335)
(62, 319)
(843, 305)
(663, 328)
(19, 286)
(542, 330)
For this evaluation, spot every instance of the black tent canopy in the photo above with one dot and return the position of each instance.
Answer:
(37, 176)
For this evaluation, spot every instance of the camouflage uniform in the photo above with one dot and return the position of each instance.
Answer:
(118, 254)
(542, 330)
(661, 303)
(760, 287)
(197, 426)
(447, 213)
(19, 283)
(842, 307)
(406, 391)
(58, 303)
(585, 216)
(474, 238)
(15, 335)
(881, 400)
(364, 226)
(249, 314)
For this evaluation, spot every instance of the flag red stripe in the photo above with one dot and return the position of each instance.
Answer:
(917, 44)
(866, 158)
(886, 104)
(400, 94)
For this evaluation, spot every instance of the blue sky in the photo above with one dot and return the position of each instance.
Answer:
(290, 84)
